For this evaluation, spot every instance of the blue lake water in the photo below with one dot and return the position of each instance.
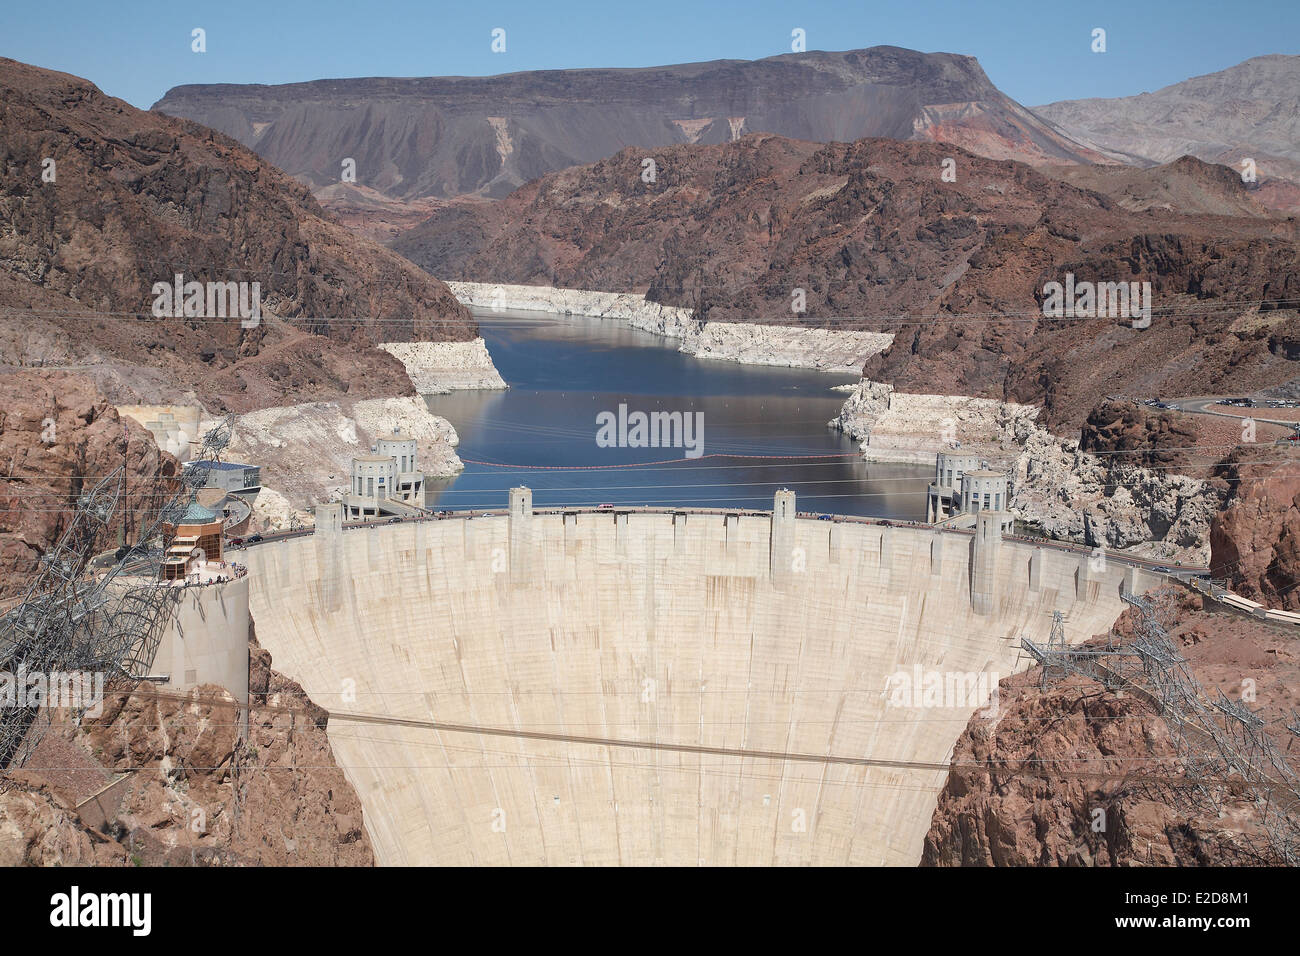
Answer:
(762, 428)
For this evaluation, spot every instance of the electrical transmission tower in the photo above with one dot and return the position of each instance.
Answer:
(1222, 745)
(76, 619)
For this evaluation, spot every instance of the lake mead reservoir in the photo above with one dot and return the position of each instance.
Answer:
(761, 428)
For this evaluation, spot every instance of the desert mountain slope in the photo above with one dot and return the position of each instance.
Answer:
(58, 438)
(1255, 103)
(1185, 185)
(1248, 110)
(137, 197)
(1255, 540)
(186, 764)
(447, 136)
(1004, 806)
(877, 240)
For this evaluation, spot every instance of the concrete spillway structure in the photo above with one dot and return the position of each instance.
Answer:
(726, 678)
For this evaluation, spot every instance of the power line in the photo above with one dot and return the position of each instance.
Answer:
(801, 322)
(1028, 766)
(855, 458)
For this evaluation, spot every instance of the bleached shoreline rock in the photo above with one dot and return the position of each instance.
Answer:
(272, 512)
(902, 426)
(436, 368)
(1068, 493)
(1111, 503)
(305, 451)
(666, 320)
(742, 342)
(825, 350)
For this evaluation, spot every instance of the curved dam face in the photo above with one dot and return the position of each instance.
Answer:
(734, 681)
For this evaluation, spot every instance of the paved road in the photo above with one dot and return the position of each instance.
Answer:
(1081, 549)
(1206, 406)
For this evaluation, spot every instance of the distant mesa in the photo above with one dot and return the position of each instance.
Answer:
(451, 136)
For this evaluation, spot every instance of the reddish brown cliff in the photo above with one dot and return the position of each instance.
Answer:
(1117, 798)
(101, 201)
(876, 239)
(1255, 540)
(193, 794)
(58, 437)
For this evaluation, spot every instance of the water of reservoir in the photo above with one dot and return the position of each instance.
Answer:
(763, 428)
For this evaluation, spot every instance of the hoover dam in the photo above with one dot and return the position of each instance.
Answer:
(645, 688)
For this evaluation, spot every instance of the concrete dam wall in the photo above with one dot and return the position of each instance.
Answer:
(654, 688)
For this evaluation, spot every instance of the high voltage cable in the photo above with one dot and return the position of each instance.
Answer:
(616, 743)
(665, 488)
(856, 456)
(802, 321)
(661, 504)
(653, 465)
(409, 270)
(309, 270)
(744, 722)
(544, 315)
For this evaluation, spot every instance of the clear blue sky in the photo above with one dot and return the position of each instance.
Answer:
(1034, 50)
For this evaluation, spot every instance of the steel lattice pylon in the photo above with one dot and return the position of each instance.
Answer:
(72, 620)
(1219, 741)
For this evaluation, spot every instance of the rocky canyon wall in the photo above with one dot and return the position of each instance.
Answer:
(1108, 501)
